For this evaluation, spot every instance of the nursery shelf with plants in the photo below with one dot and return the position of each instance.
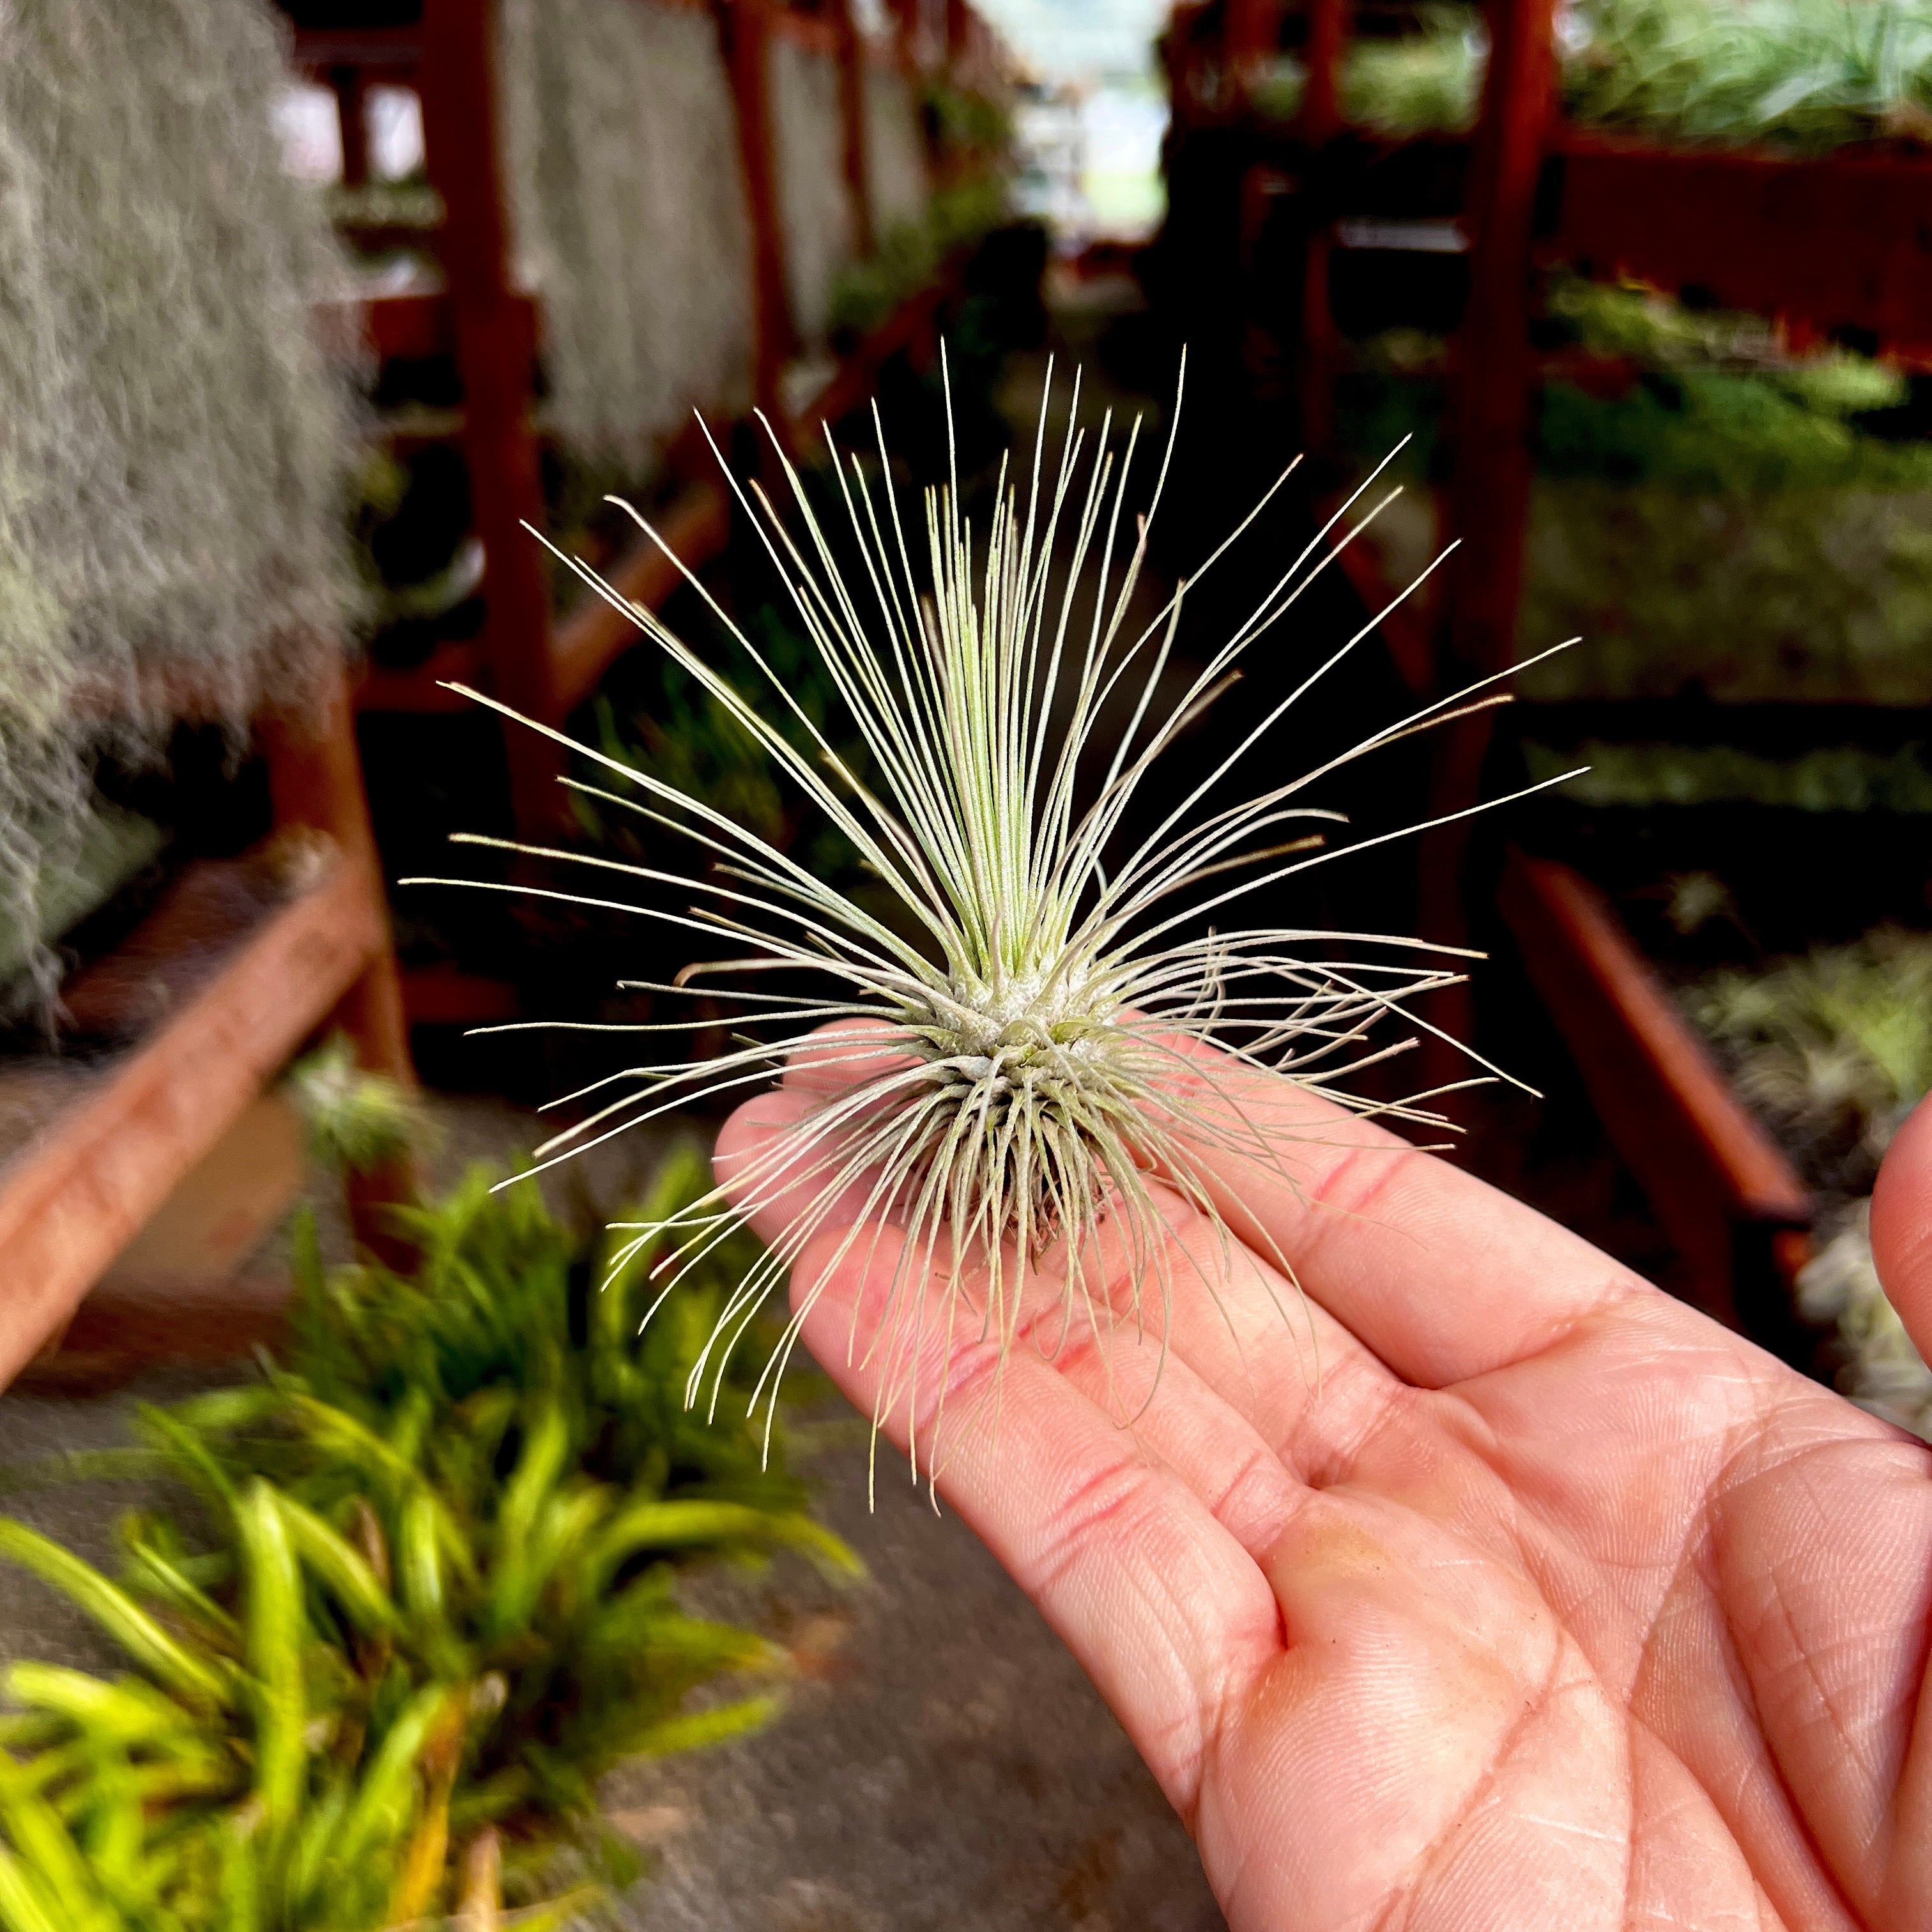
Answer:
(1651, 289)
(606, 225)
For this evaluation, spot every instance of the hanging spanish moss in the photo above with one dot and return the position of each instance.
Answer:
(896, 186)
(808, 141)
(172, 446)
(629, 205)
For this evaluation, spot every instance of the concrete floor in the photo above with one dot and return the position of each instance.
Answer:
(950, 1768)
(945, 1764)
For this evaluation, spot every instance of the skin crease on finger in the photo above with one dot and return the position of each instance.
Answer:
(1545, 1603)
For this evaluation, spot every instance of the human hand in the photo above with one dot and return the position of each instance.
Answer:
(1551, 1604)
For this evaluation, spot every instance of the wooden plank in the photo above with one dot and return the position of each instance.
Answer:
(1407, 632)
(348, 82)
(1321, 116)
(71, 1203)
(445, 995)
(1495, 371)
(224, 1208)
(696, 529)
(315, 779)
(125, 1326)
(411, 327)
(851, 54)
(912, 322)
(746, 25)
(317, 49)
(496, 348)
(808, 31)
(1709, 1169)
(420, 689)
(1843, 241)
(1489, 503)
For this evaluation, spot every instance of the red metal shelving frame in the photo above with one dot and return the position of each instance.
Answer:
(1841, 241)
(543, 666)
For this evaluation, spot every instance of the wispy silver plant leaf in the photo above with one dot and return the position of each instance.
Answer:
(1048, 1043)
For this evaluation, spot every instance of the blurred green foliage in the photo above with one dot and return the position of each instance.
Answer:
(356, 1119)
(1834, 1047)
(864, 293)
(1803, 76)
(1709, 508)
(434, 1596)
(685, 735)
(1832, 778)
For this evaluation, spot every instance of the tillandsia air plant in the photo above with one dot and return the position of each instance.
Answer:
(1050, 1023)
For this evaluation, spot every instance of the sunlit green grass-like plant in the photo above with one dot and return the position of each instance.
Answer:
(434, 1601)
(1050, 1019)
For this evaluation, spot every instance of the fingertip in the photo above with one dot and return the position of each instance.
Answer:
(1901, 1225)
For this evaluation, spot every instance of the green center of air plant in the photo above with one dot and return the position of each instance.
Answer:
(1056, 1037)
(1020, 1021)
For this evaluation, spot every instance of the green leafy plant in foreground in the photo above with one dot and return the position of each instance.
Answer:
(435, 1602)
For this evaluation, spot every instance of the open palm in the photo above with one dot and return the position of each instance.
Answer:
(1549, 1603)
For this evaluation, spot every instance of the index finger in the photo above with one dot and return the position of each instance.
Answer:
(1442, 1275)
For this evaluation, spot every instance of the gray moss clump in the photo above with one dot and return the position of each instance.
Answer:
(1833, 1048)
(173, 448)
(1883, 1372)
(629, 202)
(808, 141)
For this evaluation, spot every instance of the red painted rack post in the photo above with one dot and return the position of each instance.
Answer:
(1492, 404)
(852, 109)
(1322, 90)
(746, 25)
(496, 349)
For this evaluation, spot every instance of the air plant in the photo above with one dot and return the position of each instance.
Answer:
(1051, 1022)
(356, 1120)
